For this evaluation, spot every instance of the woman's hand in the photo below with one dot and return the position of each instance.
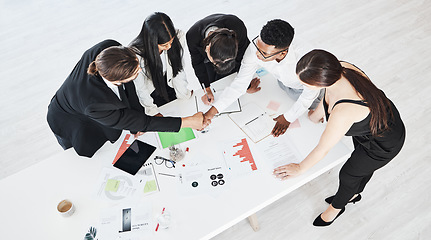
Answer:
(288, 171)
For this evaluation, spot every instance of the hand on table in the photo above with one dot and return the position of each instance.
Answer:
(280, 127)
(287, 171)
(210, 99)
(254, 85)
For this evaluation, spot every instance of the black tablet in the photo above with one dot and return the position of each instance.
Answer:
(134, 157)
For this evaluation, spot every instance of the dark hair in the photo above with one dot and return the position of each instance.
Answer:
(321, 68)
(114, 63)
(158, 29)
(223, 49)
(278, 33)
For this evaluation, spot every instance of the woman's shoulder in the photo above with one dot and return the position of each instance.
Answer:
(353, 67)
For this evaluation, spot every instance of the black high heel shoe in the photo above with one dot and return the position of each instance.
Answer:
(318, 222)
(356, 199)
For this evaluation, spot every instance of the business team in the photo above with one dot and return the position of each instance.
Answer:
(114, 88)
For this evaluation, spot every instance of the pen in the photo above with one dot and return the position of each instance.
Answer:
(170, 175)
(157, 227)
(254, 119)
(203, 88)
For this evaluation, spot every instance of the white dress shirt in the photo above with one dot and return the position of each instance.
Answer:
(284, 71)
(144, 85)
(113, 87)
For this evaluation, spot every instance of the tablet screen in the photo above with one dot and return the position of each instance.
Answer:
(134, 157)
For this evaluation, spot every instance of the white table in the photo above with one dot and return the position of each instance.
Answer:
(29, 198)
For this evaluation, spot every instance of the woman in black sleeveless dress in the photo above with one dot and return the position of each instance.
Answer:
(353, 106)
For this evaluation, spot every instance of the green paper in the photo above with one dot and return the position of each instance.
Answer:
(150, 186)
(112, 185)
(168, 139)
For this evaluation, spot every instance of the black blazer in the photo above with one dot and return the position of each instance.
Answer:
(87, 113)
(196, 34)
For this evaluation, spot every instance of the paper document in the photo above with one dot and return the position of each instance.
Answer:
(114, 184)
(127, 221)
(254, 121)
(279, 151)
(238, 156)
(201, 107)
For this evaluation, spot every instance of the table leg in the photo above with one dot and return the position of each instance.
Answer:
(253, 222)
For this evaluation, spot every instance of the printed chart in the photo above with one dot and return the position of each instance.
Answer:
(238, 156)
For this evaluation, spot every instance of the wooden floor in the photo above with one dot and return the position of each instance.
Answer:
(390, 40)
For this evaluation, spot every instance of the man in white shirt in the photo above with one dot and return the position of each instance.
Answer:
(272, 50)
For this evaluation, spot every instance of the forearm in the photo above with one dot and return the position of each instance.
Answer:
(211, 113)
(317, 154)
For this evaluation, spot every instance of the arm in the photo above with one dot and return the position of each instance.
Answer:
(194, 41)
(340, 121)
(302, 104)
(111, 116)
(239, 85)
(144, 90)
(179, 82)
(318, 114)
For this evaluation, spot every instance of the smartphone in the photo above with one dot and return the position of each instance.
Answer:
(127, 220)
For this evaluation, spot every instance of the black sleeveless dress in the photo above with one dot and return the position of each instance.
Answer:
(370, 153)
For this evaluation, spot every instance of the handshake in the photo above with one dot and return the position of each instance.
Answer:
(198, 121)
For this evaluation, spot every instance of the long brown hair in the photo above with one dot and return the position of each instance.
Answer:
(321, 68)
(114, 63)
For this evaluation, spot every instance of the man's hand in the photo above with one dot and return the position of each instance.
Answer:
(280, 127)
(287, 171)
(208, 98)
(254, 85)
(197, 121)
(136, 135)
(158, 115)
(211, 113)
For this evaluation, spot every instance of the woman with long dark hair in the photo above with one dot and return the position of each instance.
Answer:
(159, 47)
(352, 106)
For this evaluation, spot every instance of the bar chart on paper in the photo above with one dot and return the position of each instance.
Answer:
(238, 156)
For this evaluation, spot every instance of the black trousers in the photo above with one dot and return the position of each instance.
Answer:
(355, 174)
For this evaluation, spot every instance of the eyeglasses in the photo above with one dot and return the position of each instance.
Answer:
(262, 53)
(168, 163)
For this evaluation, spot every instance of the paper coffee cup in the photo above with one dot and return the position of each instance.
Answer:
(65, 208)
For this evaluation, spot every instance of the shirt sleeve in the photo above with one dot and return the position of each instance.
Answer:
(128, 119)
(144, 94)
(302, 104)
(180, 82)
(241, 82)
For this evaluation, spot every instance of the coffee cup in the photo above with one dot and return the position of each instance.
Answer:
(66, 208)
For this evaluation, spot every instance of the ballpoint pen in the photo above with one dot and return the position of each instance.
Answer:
(254, 119)
(203, 88)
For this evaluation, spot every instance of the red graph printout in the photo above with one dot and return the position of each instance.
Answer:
(239, 157)
(245, 153)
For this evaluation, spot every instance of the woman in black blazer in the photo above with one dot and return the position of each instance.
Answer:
(98, 100)
(217, 44)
